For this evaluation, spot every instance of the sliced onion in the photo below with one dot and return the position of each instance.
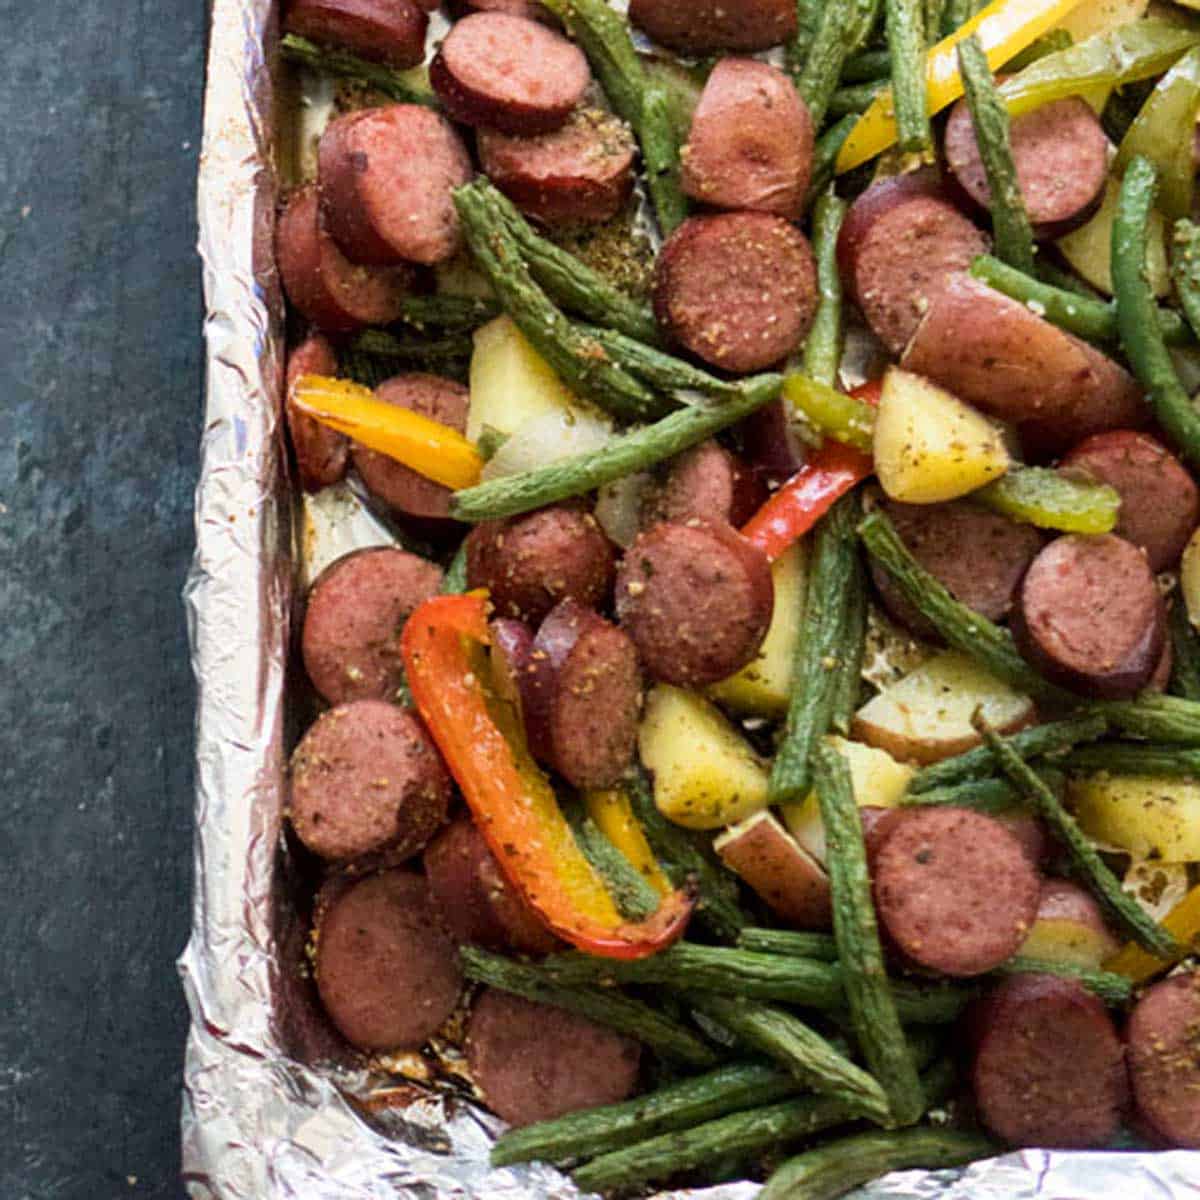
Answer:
(619, 507)
(548, 438)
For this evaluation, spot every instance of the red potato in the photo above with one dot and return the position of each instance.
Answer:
(1069, 928)
(751, 141)
(708, 483)
(1163, 1036)
(502, 72)
(386, 177)
(387, 31)
(773, 864)
(321, 452)
(710, 26)
(512, 644)
(323, 285)
(581, 173)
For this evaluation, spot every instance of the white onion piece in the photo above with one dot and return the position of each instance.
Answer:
(619, 507)
(546, 439)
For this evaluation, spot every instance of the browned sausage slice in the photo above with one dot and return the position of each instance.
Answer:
(1163, 1037)
(508, 73)
(1160, 504)
(534, 1062)
(900, 245)
(476, 902)
(386, 175)
(321, 452)
(980, 557)
(582, 172)
(697, 600)
(997, 355)
(585, 696)
(709, 26)
(1090, 616)
(366, 778)
(531, 562)
(954, 889)
(356, 609)
(1060, 152)
(389, 31)
(529, 9)
(402, 489)
(325, 286)
(739, 290)
(386, 973)
(751, 141)
(707, 482)
(1048, 1069)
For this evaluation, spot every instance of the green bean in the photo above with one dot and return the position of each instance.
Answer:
(906, 44)
(823, 350)
(1113, 989)
(854, 99)
(404, 86)
(1169, 719)
(808, 15)
(868, 66)
(847, 671)
(454, 581)
(660, 370)
(1136, 758)
(1185, 653)
(661, 158)
(1185, 270)
(828, 147)
(823, 67)
(382, 344)
(990, 796)
(821, 946)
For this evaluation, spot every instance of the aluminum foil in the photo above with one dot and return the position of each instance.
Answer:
(260, 1120)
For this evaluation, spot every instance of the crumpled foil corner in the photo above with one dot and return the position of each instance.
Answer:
(259, 1123)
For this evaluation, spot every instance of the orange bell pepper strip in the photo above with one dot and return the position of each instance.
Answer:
(428, 447)
(512, 802)
(1183, 921)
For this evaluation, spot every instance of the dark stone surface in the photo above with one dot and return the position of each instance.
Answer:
(100, 393)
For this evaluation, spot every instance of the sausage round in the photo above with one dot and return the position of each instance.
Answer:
(530, 9)
(322, 283)
(954, 889)
(707, 482)
(1048, 1067)
(979, 556)
(1090, 617)
(1160, 504)
(356, 609)
(477, 904)
(585, 696)
(386, 973)
(709, 26)
(321, 452)
(697, 600)
(1060, 152)
(900, 245)
(503, 72)
(751, 141)
(997, 355)
(366, 778)
(581, 173)
(531, 562)
(405, 491)
(388, 31)
(1163, 1039)
(738, 290)
(533, 1062)
(386, 177)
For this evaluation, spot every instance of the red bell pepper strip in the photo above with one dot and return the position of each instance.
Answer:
(512, 802)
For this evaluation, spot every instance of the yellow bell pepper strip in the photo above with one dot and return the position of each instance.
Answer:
(1183, 921)
(428, 447)
(613, 814)
(512, 802)
(1005, 28)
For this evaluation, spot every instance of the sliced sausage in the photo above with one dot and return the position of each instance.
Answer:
(386, 177)
(585, 696)
(997, 355)
(534, 1062)
(738, 290)
(709, 26)
(531, 562)
(751, 141)
(954, 889)
(901, 243)
(1163, 1038)
(321, 452)
(508, 73)
(1090, 617)
(1160, 504)
(322, 283)
(511, 646)
(366, 778)
(580, 173)
(979, 556)
(531, 10)
(477, 904)
(1048, 1068)
(356, 609)
(405, 491)
(386, 973)
(388, 31)
(697, 600)
(1060, 151)
(707, 482)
